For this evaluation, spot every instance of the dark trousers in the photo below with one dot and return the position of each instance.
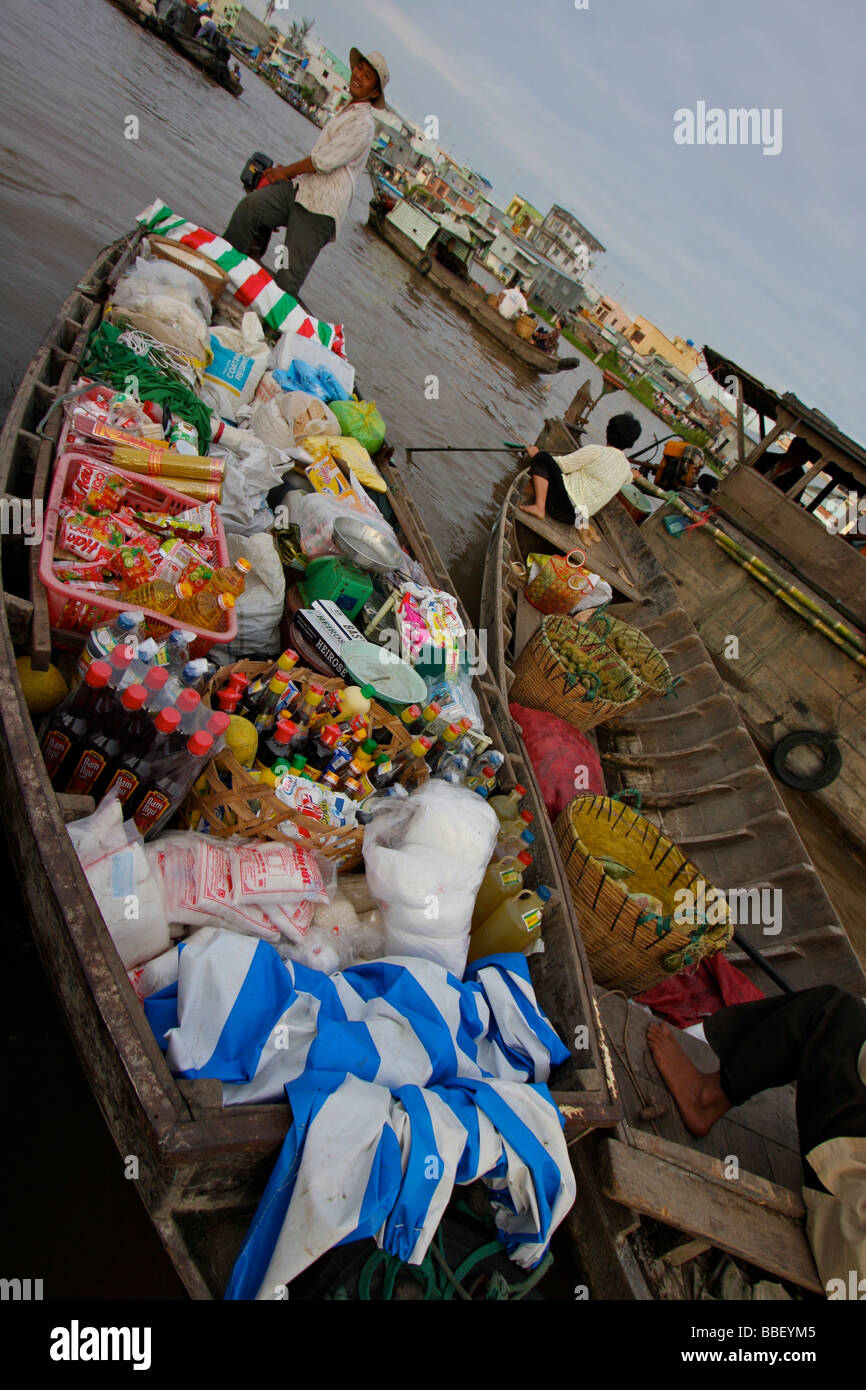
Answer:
(265, 209)
(559, 505)
(812, 1037)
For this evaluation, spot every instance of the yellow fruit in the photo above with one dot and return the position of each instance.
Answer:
(242, 739)
(43, 690)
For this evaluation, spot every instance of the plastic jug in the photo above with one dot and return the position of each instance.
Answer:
(512, 926)
(503, 878)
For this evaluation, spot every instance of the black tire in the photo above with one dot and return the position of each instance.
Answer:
(425, 265)
(832, 760)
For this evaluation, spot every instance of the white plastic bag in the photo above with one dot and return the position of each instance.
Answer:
(288, 418)
(159, 277)
(425, 860)
(240, 360)
(316, 513)
(292, 347)
(129, 896)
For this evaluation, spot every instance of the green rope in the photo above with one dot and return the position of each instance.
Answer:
(114, 362)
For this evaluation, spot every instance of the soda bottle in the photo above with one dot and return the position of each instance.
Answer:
(70, 722)
(512, 926)
(506, 806)
(230, 579)
(167, 784)
(131, 766)
(255, 690)
(502, 879)
(205, 610)
(102, 640)
(102, 744)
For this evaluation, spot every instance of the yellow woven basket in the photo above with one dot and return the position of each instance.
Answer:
(630, 948)
(643, 658)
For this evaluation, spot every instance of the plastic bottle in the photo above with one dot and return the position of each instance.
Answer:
(169, 783)
(313, 697)
(275, 751)
(204, 610)
(156, 594)
(141, 663)
(514, 844)
(230, 579)
(190, 677)
(173, 651)
(512, 926)
(410, 718)
(131, 766)
(264, 716)
(320, 750)
(506, 806)
(516, 826)
(119, 660)
(103, 743)
(216, 725)
(103, 639)
(445, 744)
(255, 689)
(410, 764)
(502, 879)
(70, 722)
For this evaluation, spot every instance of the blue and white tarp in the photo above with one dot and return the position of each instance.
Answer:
(403, 1080)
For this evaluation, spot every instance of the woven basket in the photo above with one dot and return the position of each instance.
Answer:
(543, 681)
(630, 948)
(212, 276)
(524, 326)
(651, 672)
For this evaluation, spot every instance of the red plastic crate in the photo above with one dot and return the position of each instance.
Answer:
(75, 610)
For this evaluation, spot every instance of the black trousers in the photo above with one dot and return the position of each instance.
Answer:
(559, 505)
(265, 209)
(812, 1037)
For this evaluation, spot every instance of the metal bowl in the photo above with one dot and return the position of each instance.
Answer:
(365, 545)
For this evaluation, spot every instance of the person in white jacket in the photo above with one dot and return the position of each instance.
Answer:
(573, 487)
(311, 197)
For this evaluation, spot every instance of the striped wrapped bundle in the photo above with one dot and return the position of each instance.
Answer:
(252, 286)
(402, 1080)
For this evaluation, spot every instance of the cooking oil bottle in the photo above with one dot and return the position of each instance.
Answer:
(504, 878)
(512, 926)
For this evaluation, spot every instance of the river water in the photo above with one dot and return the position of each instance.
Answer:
(70, 181)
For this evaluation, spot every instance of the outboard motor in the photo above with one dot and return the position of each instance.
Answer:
(253, 170)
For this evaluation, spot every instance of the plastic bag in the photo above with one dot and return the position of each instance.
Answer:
(557, 583)
(253, 469)
(317, 512)
(316, 381)
(287, 419)
(346, 450)
(240, 360)
(159, 277)
(292, 347)
(129, 896)
(565, 763)
(362, 420)
(424, 861)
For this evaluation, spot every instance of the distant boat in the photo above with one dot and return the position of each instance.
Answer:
(213, 59)
(421, 239)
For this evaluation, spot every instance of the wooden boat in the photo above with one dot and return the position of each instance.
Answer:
(466, 295)
(787, 676)
(211, 61)
(705, 784)
(202, 1167)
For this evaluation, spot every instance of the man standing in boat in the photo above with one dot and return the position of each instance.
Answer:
(311, 197)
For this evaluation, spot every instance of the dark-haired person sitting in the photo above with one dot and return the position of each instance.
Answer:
(573, 487)
(816, 1038)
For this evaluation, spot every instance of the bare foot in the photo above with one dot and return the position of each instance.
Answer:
(532, 510)
(699, 1095)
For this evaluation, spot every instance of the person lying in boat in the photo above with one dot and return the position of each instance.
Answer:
(311, 197)
(573, 487)
(816, 1038)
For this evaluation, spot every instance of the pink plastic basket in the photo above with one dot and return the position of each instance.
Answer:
(71, 609)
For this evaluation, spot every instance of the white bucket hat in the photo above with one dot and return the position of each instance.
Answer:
(379, 66)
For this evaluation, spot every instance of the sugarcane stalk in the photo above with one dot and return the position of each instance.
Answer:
(836, 632)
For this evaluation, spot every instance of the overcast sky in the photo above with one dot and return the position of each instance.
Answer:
(760, 256)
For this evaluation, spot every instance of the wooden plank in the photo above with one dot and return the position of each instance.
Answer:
(727, 1219)
(527, 622)
(685, 1250)
(757, 1189)
(19, 613)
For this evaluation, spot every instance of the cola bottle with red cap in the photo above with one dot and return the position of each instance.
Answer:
(70, 723)
(167, 783)
(104, 741)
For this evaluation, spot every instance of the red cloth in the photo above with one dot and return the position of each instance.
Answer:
(564, 761)
(696, 993)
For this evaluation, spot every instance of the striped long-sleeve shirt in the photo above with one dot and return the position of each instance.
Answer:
(339, 155)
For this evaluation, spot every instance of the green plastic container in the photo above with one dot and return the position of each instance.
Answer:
(329, 577)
